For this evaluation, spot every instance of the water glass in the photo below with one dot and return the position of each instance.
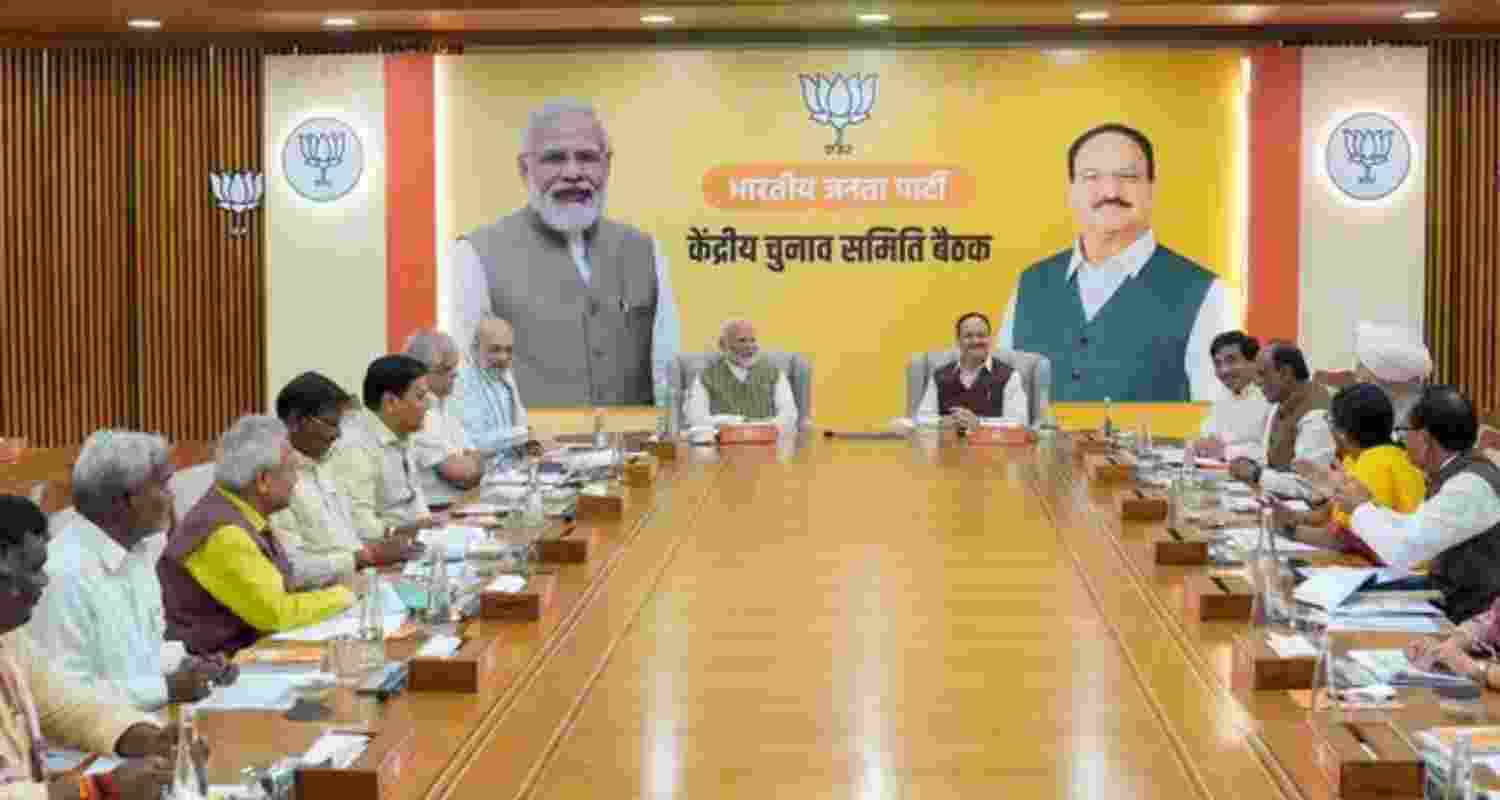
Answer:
(347, 660)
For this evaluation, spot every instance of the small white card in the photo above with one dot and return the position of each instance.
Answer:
(440, 646)
(510, 584)
(1294, 646)
(337, 749)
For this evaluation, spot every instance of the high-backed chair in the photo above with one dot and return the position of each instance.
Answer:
(796, 366)
(189, 485)
(1035, 371)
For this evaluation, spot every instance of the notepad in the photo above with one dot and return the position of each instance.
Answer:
(509, 584)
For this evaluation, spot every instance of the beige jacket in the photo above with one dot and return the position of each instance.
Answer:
(65, 712)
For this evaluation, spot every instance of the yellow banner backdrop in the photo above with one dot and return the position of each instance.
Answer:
(971, 143)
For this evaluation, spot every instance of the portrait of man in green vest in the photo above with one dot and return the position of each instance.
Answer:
(589, 297)
(1119, 315)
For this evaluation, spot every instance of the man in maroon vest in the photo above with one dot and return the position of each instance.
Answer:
(976, 385)
(1457, 529)
(225, 579)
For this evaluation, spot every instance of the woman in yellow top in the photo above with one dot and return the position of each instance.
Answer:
(1362, 420)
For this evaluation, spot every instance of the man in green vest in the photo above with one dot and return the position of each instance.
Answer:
(1119, 316)
(740, 384)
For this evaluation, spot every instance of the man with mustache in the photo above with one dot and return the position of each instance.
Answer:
(588, 296)
(1120, 316)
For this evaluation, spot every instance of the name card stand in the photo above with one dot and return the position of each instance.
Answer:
(664, 451)
(572, 547)
(991, 434)
(526, 605)
(640, 473)
(372, 776)
(1257, 666)
(1342, 751)
(1190, 551)
(462, 672)
(1208, 600)
(1139, 506)
(749, 434)
(1109, 468)
(600, 506)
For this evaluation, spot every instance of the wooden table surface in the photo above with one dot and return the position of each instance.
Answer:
(849, 618)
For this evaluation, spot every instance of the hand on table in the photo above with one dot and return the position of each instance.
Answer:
(964, 418)
(1242, 469)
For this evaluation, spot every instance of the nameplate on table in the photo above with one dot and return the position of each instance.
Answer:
(1141, 506)
(663, 450)
(1366, 760)
(606, 506)
(372, 776)
(1107, 468)
(1190, 551)
(1218, 597)
(503, 600)
(1267, 661)
(750, 433)
(573, 547)
(640, 472)
(999, 434)
(463, 670)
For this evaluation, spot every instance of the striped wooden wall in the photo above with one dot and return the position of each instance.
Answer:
(1463, 216)
(125, 302)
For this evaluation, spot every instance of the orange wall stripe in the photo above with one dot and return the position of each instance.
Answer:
(1275, 192)
(410, 197)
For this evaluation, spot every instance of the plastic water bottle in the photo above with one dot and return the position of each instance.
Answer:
(1461, 770)
(600, 441)
(188, 780)
(1265, 573)
(372, 622)
(1109, 425)
(439, 604)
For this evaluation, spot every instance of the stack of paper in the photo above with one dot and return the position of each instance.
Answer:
(452, 541)
(338, 750)
(260, 691)
(1327, 588)
(1247, 538)
(346, 624)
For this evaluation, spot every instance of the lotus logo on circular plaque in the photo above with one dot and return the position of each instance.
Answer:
(323, 159)
(1369, 156)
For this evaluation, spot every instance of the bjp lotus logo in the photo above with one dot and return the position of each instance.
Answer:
(838, 101)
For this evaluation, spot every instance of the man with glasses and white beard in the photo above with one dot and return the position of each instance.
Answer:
(590, 295)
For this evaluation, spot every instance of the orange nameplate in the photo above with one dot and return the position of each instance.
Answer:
(748, 434)
(995, 434)
(464, 671)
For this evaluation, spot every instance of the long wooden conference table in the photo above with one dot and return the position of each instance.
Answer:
(844, 617)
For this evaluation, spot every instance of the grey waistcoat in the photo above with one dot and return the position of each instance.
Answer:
(576, 344)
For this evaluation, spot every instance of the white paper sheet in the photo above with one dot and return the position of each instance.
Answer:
(340, 749)
(258, 692)
(1402, 624)
(440, 646)
(346, 624)
(1295, 646)
(1246, 539)
(507, 583)
(452, 541)
(1328, 587)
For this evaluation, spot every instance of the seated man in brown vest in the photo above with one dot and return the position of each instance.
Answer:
(976, 385)
(225, 577)
(740, 384)
(1297, 429)
(1457, 528)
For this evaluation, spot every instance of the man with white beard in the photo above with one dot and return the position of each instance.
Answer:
(593, 310)
(740, 383)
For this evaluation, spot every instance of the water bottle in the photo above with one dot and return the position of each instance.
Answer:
(1108, 431)
(1176, 497)
(1461, 770)
(439, 604)
(188, 780)
(372, 622)
(1265, 574)
(600, 440)
(533, 513)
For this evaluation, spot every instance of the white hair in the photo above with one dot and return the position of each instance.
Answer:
(429, 346)
(730, 323)
(547, 115)
(251, 446)
(111, 464)
(487, 316)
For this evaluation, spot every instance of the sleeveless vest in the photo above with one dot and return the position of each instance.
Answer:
(986, 398)
(1281, 443)
(203, 624)
(576, 344)
(1133, 350)
(753, 399)
(1468, 573)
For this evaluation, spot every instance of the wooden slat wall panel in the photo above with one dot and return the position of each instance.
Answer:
(1463, 216)
(125, 302)
(63, 249)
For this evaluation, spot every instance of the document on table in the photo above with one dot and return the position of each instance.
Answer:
(1294, 646)
(346, 624)
(261, 691)
(338, 750)
(453, 541)
(1246, 539)
(1328, 587)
